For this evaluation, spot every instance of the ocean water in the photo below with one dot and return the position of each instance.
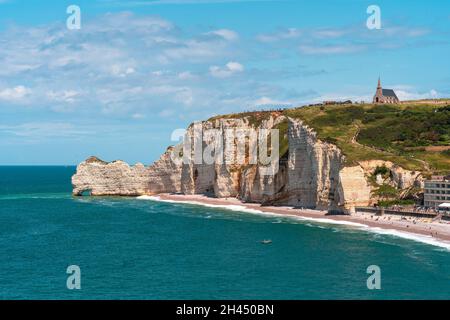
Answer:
(129, 248)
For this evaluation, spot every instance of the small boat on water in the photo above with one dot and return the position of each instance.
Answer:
(268, 241)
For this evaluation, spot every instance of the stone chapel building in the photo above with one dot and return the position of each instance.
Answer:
(384, 95)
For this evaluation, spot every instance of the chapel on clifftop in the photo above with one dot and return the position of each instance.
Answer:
(384, 95)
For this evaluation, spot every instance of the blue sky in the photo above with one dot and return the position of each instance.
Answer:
(137, 70)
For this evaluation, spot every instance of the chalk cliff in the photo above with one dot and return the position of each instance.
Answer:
(312, 173)
(98, 178)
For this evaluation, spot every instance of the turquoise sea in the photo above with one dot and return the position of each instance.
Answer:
(136, 249)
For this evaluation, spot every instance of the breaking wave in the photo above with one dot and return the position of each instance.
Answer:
(388, 232)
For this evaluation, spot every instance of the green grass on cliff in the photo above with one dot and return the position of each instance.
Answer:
(413, 135)
(283, 137)
(254, 118)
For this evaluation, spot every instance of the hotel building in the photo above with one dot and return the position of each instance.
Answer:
(437, 191)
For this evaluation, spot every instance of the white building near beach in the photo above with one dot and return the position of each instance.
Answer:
(437, 192)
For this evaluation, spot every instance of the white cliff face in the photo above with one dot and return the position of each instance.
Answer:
(266, 189)
(199, 174)
(353, 189)
(313, 169)
(117, 178)
(398, 177)
(164, 174)
(256, 185)
(225, 175)
(312, 174)
(406, 179)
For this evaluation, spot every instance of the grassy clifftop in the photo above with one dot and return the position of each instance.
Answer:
(415, 135)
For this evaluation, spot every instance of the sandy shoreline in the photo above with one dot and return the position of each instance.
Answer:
(438, 231)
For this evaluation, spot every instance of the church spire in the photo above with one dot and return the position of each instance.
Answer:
(379, 83)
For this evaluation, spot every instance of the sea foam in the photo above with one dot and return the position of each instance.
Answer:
(389, 232)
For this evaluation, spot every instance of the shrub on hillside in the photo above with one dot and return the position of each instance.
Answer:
(383, 170)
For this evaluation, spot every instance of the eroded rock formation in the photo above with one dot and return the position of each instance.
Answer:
(312, 173)
(98, 178)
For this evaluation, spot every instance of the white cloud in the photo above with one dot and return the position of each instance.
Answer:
(185, 75)
(15, 93)
(44, 130)
(68, 96)
(290, 33)
(392, 31)
(228, 70)
(118, 64)
(265, 101)
(330, 49)
(235, 66)
(343, 40)
(180, 94)
(166, 113)
(340, 96)
(126, 66)
(138, 116)
(158, 73)
(193, 50)
(227, 34)
(411, 95)
(330, 33)
(121, 71)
